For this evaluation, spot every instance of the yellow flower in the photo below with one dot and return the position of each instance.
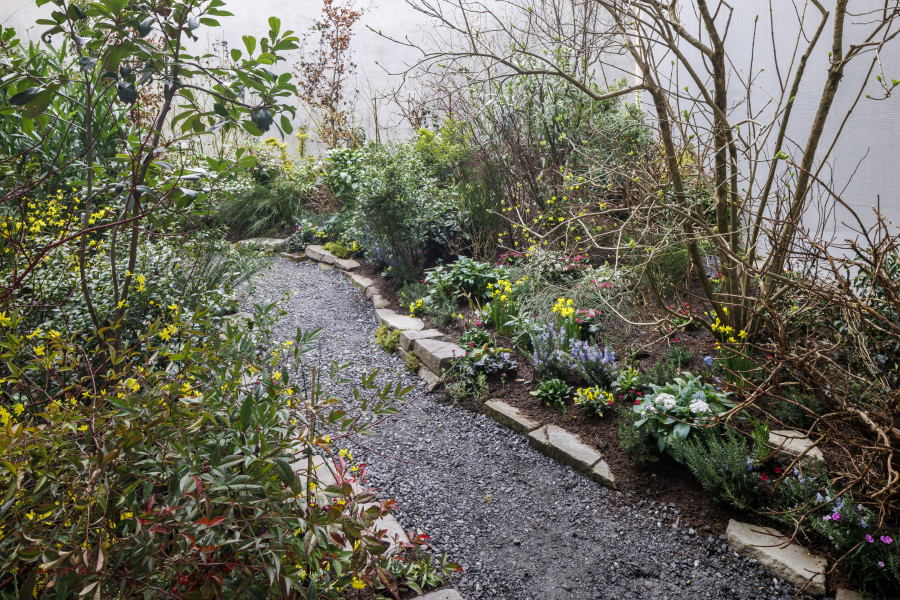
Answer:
(4, 320)
(357, 584)
(39, 350)
(18, 408)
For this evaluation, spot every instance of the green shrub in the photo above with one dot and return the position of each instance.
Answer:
(723, 464)
(265, 209)
(410, 292)
(673, 410)
(466, 277)
(472, 338)
(195, 449)
(465, 385)
(388, 339)
(340, 250)
(799, 411)
(636, 441)
(401, 218)
(553, 393)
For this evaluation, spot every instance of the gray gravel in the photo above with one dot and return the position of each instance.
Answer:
(522, 525)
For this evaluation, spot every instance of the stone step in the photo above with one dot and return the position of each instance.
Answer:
(408, 338)
(316, 252)
(293, 256)
(379, 301)
(568, 449)
(796, 443)
(509, 416)
(401, 322)
(773, 550)
(437, 355)
(363, 283)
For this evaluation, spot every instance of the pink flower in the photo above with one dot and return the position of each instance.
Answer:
(886, 539)
(835, 517)
(637, 401)
(870, 539)
(478, 323)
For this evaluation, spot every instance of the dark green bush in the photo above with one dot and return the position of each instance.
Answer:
(265, 209)
(724, 466)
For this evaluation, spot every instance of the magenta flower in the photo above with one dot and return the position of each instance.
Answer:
(870, 539)
(836, 516)
(886, 539)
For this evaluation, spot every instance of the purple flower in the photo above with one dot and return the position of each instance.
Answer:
(886, 539)
(835, 517)
(880, 564)
(707, 360)
(870, 539)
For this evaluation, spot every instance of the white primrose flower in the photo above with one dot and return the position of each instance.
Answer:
(667, 401)
(699, 406)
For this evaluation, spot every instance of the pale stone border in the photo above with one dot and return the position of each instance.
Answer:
(436, 354)
(773, 550)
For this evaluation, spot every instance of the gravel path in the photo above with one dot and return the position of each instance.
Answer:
(522, 525)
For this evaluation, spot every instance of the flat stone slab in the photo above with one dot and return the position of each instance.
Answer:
(401, 322)
(847, 595)
(427, 376)
(770, 548)
(293, 256)
(444, 594)
(267, 244)
(320, 254)
(361, 282)
(409, 337)
(565, 447)
(379, 301)
(347, 264)
(795, 443)
(437, 355)
(509, 416)
(602, 474)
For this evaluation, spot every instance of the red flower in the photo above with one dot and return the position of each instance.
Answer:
(763, 476)
(778, 470)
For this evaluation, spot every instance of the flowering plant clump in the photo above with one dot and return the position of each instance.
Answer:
(595, 366)
(306, 233)
(550, 347)
(564, 309)
(672, 410)
(501, 308)
(593, 400)
(628, 385)
(554, 393)
(475, 337)
(575, 263)
(871, 557)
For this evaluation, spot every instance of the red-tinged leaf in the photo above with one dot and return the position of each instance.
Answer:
(189, 538)
(209, 522)
(388, 581)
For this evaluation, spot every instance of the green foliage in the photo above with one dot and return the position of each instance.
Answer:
(308, 232)
(472, 338)
(388, 339)
(678, 356)
(410, 292)
(627, 385)
(401, 217)
(462, 384)
(265, 209)
(636, 441)
(554, 393)
(871, 556)
(673, 410)
(342, 171)
(341, 250)
(195, 446)
(723, 464)
(466, 277)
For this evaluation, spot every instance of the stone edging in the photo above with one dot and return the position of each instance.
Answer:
(789, 560)
(437, 353)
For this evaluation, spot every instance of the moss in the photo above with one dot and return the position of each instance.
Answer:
(412, 362)
(387, 339)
